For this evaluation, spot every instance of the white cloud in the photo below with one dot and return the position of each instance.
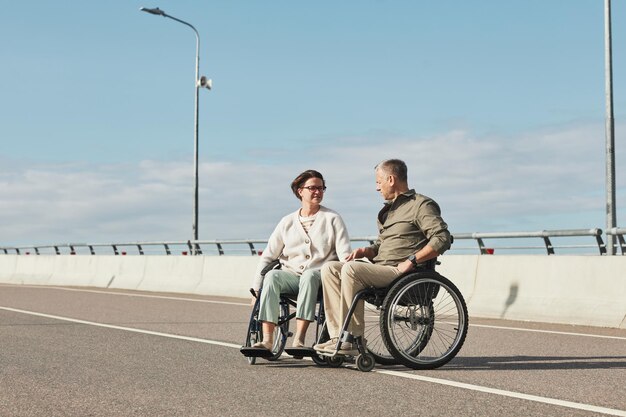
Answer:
(547, 179)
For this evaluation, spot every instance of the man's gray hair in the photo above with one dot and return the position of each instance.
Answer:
(394, 167)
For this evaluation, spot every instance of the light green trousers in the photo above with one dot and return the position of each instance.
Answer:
(277, 282)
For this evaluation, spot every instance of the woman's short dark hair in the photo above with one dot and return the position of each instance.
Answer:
(304, 177)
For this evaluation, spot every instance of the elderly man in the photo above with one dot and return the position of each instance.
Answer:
(411, 232)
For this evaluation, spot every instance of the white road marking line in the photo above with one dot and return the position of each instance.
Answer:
(163, 297)
(128, 329)
(521, 329)
(462, 385)
(512, 394)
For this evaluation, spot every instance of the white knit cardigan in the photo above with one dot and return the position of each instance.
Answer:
(298, 251)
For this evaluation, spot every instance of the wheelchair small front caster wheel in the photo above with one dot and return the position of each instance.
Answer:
(365, 362)
(319, 360)
(335, 362)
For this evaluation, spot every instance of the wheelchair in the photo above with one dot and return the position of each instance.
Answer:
(281, 332)
(422, 323)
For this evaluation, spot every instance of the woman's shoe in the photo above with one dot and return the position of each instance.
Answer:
(297, 344)
(263, 345)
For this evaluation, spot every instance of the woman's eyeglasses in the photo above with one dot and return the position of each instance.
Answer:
(313, 188)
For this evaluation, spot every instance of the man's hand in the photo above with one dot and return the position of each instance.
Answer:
(423, 255)
(361, 253)
(405, 266)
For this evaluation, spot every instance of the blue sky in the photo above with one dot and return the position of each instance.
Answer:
(497, 107)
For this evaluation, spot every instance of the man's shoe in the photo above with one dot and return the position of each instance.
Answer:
(346, 348)
(322, 346)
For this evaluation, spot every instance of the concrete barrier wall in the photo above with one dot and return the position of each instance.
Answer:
(585, 290)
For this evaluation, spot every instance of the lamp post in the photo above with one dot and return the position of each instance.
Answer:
(199, 82)
(611, 218)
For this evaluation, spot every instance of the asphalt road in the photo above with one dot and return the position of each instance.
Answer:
(92, 352)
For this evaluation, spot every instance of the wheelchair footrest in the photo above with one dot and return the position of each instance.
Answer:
(301, 352)
(256, 352)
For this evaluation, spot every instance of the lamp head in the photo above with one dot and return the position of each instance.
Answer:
(205, 82)
(155, 11)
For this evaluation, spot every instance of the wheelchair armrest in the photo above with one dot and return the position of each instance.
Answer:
(428, 265)
(275, 264)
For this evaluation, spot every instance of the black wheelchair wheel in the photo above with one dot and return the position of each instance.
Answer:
(335, 362)
(319, 360)
(281, 332)
(424, 321)
(365, 362)
(372, 334)
(321, 337)
(255, 331)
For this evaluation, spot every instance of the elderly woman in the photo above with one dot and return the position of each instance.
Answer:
(303, 241)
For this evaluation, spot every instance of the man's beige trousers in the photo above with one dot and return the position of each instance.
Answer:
(341, 281)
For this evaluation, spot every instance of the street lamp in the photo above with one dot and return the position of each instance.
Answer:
(611, 218)
(199, 82)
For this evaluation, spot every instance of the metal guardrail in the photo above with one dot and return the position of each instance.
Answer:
(216, 247)
(193, 247)
(545, 235)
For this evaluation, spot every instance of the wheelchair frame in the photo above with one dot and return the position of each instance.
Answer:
(423, 321)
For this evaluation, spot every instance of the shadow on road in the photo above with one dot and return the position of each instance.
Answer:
(540, 363)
